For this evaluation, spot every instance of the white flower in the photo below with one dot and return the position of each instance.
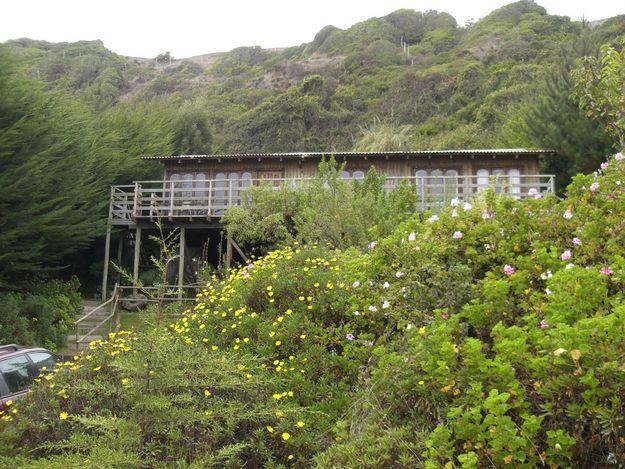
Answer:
(373, 308)
(433, 218)
(412, 236)
(568, 214)
(568, 266)
(546, 275)
(386, 285)
(532, 192)
(548, 291)
(408, 327)
(356, 284)
(454, 214)
(455, 202)
(467, 206)
(385, 305)
(356, 313)
(559, 351)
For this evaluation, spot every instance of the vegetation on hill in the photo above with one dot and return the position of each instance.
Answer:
(489, 334)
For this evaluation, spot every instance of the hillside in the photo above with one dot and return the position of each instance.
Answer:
(451, 88)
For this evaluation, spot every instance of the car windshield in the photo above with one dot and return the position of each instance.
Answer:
(43, 361)
(15, 372)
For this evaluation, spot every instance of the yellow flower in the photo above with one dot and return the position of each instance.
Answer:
(300, 424)
(8, 403)
(207, 393)
(214, 347)
(269, 429)
(421, 382)
(97, 368)
(63, 415)
(125, 381)
(285, 436)
(303, 336)
(278, 343)
(290, 456)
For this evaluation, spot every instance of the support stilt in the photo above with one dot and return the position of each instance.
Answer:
(181, 262)
(228, 251)
(135, 266)
(107, 252)
(120, 248)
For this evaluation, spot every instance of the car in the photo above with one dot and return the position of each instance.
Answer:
(19, 365)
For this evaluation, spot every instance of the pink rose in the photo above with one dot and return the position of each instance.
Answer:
(508, 269)
(566, 255)
(457, 235)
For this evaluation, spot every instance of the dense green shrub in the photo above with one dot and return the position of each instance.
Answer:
(488, 334)
(326, 209)
(43, 316)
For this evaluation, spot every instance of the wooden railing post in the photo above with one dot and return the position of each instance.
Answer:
(135, 209)
(210, 197)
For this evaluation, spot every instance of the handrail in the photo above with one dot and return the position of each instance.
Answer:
(114, 297)
(210, 198)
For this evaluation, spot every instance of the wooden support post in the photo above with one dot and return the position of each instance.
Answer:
(228, 251)
(135, 266)
(181, 262)
(120, 248)
(107, 252)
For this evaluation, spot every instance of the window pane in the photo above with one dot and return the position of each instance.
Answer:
(16, 373)
(482, 177)
(515, 181)
(451, 183)
(43, 361)
(358, 174)
(499, 179)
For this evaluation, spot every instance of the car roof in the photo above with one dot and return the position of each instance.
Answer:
(14, 349)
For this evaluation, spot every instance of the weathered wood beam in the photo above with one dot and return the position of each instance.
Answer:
(107, 252)
(135, 266)
(181, 261)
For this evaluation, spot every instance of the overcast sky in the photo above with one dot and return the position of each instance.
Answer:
(186, 27)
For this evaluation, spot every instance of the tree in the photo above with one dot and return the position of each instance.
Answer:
(600, 90)
(553, 120)
(192, 132)
(51, 202)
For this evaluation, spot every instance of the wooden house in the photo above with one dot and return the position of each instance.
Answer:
(196, 190)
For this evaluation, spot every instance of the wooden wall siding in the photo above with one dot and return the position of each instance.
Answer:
(396, 166)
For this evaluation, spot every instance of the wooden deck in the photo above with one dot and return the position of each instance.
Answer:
(202, 200)
(209, 199)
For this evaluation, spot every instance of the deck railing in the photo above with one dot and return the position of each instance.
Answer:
(209, 198)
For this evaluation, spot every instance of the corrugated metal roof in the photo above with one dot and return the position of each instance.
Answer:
(319, 154)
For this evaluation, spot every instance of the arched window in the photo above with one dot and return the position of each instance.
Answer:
(246, 181)
(420, 183)
(344, 174)
(499, 177)
(187, 186)
(200, 197)
(358, 174)
(451, 183)
(219, 201)
(515, 182)
(482, 178)
(436, 182)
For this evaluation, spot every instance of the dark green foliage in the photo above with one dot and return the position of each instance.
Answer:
(43, 316)
(192, 133)
(553, 120)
